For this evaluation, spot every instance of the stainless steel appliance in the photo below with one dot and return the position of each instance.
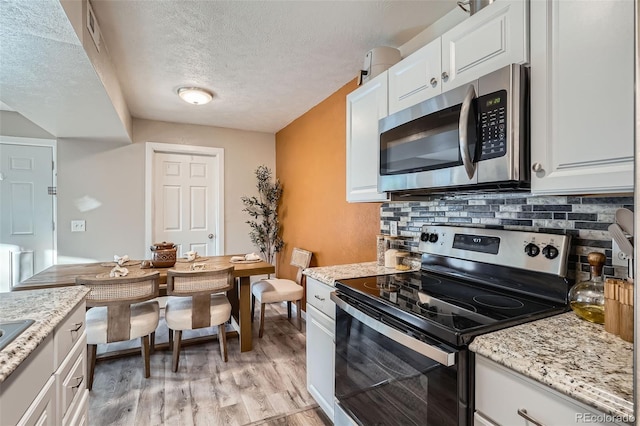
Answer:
(402, 340)
(474, 136)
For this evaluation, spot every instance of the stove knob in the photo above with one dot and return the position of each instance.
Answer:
(433, 237)
(550, 252)
(424, 237)
(532, 250)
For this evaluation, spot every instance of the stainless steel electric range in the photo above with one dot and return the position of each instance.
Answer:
(402, 340)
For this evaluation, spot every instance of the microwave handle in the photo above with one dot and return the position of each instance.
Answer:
(463, 131)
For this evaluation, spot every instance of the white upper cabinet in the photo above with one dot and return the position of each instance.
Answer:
(492, 38)
(582, 88)
(416, 78)
(365, 106)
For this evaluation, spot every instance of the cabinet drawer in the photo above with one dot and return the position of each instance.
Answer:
(502, 393)
(318, 296)
(80, 415)
(71, 378)
(68, 332)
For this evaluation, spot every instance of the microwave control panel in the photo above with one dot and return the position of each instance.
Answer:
(492, 113)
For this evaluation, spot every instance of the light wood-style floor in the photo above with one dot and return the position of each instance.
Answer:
(266, 386)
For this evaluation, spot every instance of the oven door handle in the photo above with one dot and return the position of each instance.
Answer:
(439, 355)
(463, 131)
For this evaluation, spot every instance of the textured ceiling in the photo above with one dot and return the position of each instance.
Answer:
(46, 75)
(267, 62)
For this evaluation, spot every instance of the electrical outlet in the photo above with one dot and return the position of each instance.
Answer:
(77, 226)
(393, 228)
(618, 257)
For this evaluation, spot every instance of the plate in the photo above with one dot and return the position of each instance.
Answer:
(125, 264)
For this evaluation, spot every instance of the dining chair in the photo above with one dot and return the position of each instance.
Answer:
(197, 300)
(282, 290)
(121, 309)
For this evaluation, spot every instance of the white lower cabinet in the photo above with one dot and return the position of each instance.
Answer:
(320, 345)
(42, 411)
(49, 387)
(506, 398)
(582, 96)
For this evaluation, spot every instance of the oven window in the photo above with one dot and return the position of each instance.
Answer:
(381, 382)
(426, 143)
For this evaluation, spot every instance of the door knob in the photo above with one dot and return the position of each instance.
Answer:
(434, 82)
(210, 236)
(445, 76)
(536, 167)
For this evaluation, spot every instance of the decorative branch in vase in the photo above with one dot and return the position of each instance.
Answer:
(263, 209)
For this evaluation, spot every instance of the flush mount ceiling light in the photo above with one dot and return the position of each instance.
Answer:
(195, 95)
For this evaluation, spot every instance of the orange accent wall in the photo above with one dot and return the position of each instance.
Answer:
(314, 214)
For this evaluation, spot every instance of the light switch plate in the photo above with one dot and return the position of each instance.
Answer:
(393, 229)
(618, 257)
(78, 226)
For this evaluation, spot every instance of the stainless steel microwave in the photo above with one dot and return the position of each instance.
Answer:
(474, 137)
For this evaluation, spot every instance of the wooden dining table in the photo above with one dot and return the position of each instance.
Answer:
(240, 297)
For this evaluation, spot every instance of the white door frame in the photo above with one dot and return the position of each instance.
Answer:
(51, 143)
(216, 153)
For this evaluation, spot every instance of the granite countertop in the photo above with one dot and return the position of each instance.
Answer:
(572, 356)
(328, 274)
(47, 307)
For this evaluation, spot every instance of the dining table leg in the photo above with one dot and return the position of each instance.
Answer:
(240, 300)
(245, 314)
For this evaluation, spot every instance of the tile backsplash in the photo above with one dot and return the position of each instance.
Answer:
(585, 218)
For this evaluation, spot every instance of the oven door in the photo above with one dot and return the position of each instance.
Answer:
(387, 374)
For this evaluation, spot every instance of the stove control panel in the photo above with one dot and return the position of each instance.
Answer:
(535, 251)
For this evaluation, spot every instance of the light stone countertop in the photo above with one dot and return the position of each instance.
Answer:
(328, 274)
(572, 356)
(47, 307)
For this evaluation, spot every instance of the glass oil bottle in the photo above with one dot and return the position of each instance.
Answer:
(587, 297)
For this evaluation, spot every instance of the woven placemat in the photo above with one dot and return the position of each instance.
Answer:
(245, 261)
(125, 264)
(197, 259)
(133, 273)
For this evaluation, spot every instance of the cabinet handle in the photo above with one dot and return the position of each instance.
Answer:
(318, 297)
(523, 413)
(445, 76)
(77, 326)
(434, 82)
(536, 167)
(78, 380)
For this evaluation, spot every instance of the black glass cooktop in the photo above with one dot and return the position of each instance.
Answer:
(449, 308)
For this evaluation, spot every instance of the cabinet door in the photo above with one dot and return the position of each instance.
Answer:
(582, 87)
(42, 411)
(365, 106)
(321, 359)
(415, 78)
(493, 38)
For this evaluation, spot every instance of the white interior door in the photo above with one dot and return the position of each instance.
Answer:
(184, 202)
(26, 212)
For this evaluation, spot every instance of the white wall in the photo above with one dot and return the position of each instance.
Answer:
(114, 177)
(433, 31)
(15, 124)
